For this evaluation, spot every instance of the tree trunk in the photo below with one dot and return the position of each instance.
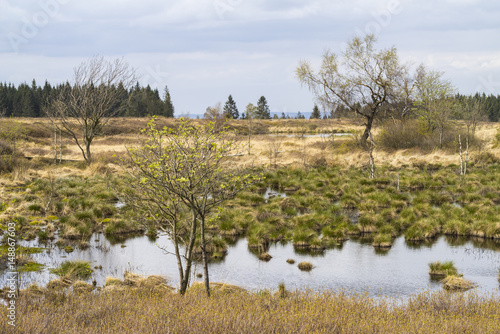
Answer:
(205, 258)
(189, 257)
(183, 285)
(368, 128)
(87, 152)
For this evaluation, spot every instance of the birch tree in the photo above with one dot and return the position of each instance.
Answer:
(363, 79)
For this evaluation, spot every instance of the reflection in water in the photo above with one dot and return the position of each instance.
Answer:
(356, 266)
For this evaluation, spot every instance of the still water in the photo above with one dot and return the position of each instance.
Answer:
(356, 266)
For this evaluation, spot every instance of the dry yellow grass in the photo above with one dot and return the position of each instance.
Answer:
(139, 311)
(293, 150)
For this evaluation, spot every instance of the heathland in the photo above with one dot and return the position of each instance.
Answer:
(404, 184)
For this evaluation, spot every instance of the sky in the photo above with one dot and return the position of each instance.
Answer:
(204, 50)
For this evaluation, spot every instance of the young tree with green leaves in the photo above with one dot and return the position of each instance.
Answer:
(230, 108)
(365, 80)
(180, 177)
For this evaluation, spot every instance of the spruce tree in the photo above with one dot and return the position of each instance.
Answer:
(167, 103)
(230, 109)
(316, 114)
(263, 111)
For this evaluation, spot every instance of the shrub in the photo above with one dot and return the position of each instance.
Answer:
(400, 135)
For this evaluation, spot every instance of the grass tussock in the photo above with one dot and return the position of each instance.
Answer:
(442, 269)
(72, 270)
(266, 257)
(457, 283)
(260, 312)
(305, 266)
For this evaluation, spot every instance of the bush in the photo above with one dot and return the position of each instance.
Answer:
(398, 135)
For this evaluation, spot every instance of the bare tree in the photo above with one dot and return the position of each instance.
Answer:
(83, 109)
(364, 81)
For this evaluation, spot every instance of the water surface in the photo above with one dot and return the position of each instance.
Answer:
(356, 266)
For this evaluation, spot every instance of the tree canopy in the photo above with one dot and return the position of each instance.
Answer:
(365, 80)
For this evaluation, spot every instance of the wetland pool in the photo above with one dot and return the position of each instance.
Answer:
(355, 266)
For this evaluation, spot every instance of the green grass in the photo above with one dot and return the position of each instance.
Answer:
(442, 269)
(73, 270)
(31, 266)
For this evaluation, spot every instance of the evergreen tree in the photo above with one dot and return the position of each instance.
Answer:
(168, 107)
(316, 114)
(263, 111)
(230, 109)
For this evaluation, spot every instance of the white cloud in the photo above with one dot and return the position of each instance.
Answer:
(213, 48)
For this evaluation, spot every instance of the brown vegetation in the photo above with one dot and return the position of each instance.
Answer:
(143, 311)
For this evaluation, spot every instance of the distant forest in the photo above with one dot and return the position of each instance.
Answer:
(28, 101)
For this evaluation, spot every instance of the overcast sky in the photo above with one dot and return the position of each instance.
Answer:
(205, 50)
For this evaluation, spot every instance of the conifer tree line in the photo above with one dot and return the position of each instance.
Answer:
(29, 100)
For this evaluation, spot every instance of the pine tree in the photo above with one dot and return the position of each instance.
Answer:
(263, 111)
(168, 107)
(316, 114)
(230, 109)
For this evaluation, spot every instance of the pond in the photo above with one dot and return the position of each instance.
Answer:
(356, 266)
